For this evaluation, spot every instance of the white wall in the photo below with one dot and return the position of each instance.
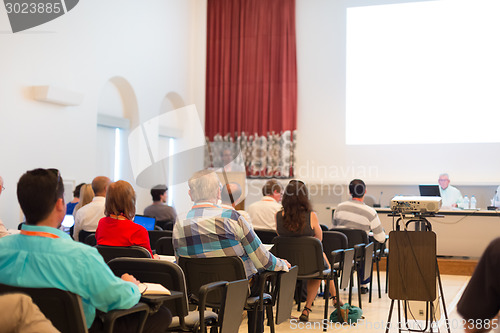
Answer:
(322, 154)
(156, 46)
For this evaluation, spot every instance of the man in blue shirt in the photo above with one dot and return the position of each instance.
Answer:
(42, 256)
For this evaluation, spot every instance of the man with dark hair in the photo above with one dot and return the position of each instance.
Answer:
(42, 256)
(263, 212)
(87, 218)
(355, 214)
(159, 209)
(70, 206)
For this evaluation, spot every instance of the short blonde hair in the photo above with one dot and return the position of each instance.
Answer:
(120, 200)
(204, 185)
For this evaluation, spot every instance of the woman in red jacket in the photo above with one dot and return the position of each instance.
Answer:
(117, 228)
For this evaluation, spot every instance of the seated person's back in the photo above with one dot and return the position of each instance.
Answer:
(42, 256)
(263, 213)
(117, 228)
(355, 214)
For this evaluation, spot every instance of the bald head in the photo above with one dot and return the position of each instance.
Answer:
(99, 185)
(234, 189)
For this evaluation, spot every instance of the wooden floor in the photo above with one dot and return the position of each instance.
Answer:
(376, 313)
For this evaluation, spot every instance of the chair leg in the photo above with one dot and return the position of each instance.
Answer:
(387, 275)
(325, 315)
(371, 285)
(378, 279)
(359, 289)
(270, 319)
(351, 282)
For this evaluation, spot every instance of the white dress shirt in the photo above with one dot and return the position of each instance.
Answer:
(87, 218)
(451, 195)
(263, 213)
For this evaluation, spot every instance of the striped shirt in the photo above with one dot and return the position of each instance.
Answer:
(355, 214)
(208, 230)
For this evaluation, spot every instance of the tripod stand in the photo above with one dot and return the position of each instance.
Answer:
(413, 270)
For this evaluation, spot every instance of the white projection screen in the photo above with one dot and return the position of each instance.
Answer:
(423, 72)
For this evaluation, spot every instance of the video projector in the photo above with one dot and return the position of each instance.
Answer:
(415, 204)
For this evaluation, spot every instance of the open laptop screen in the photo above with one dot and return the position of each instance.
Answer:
(146, 221)
(429, 190)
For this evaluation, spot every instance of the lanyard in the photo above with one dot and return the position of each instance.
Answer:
(38, 233)
(205, 205)
(117, 217)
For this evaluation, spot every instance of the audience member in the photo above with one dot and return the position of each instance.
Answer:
(88, 217)
(297, 219)
(70, 206)
(117, 228)
(208, 230)
(42, 256)
(3, 230)
(86, 197)
(159, 209)
(263, 212)
(228, 162)
(228, 203)
(355, 214)
(450, 195)
(23, 315)
(480, 302)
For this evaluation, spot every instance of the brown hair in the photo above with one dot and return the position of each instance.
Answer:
(270, 186)
(120, 200)
(296, 206)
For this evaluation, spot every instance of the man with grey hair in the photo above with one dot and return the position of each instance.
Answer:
(3, 230)
(209, 230)
(450, 195)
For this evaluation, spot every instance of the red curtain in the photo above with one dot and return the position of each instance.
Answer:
(251, 83)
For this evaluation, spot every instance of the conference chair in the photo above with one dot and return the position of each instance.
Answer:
(64, 309)
(83, 234)
(90, 240)
(164, 246)
(112, 252)
(166, 224)
(172, 277)
(201, 271)
(362, 256)
(154, 235)
(266, 236)
(332, 241)
(307, 254)
(378, 253)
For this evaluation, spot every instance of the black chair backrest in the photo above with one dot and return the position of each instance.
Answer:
(163, 272)
(83, 234)
(166, 224)
(305, 252)
(90, 240)
(333, 240)
(154, 235)
(323, 227)
(354, 236)
(112, 252)
(63, 308)
(266, 236)
(200, 271)
(368, 260)
(164, 246)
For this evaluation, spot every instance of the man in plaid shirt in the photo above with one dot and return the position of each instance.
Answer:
(208, 230)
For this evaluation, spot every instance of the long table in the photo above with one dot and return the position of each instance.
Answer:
(459, 233)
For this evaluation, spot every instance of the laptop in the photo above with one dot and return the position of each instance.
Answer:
(146, 221)
(429, 190)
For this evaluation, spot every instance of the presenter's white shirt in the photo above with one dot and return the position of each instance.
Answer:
(451, 195)
(263, 213)
(87, 218)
